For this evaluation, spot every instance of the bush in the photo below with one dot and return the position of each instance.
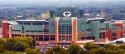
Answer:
(2, 43)
(2, 49)
(120, 51)
(32, 51)
(10, 44)
(110, 52)
(24, 39)
(18, 43)
(21, 46)
(12, 52)
(110, 47)
(89, 46)
(97, 51)
(49, 51)
(121, 47)
(56, 50)
(75, 49)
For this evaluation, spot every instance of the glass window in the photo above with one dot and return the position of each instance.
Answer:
(65, 29)
(46, 38)
(113, 34)
(41, 38)
(52, 37)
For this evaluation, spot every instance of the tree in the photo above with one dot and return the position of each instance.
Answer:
(2, 49)
(75, 49)
(32, 51)
(110, 47)
(110, 52)
(18, 43)
(89, 46)
(24, 39)
(2, 43)
(12, 52)
(56, 50)
(21, 46)
(49, 51)
(10, 44)
(120, 51)
(121, 47)
(97, 51)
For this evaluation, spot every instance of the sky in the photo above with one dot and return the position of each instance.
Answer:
(51, 2)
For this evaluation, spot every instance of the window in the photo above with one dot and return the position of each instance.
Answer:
(41, 38)
(34, 24)
(46, 37)
(52, 37)
(65, 28)
(88, 22)
(21, 23)
(27, 23)
(88, 29)
(113, 34)
(65, 38)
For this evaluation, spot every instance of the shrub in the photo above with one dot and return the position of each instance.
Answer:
(97, 51)
(2, 43)
(56, 50)
(10, 44)
(12, 52)
(89, 46)
(31, 51)
(1, 49)
(75, 49)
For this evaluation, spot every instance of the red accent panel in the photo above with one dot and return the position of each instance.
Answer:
(109, 35)
(5, 29)
(119, 24)
(74, 30)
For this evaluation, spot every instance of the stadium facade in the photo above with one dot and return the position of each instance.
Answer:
(65, 26)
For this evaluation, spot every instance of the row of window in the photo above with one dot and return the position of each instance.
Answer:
(47, 38)
(65, 38)
(65, 29)
(38, 37)
(65, 32)
(33, 23)
(88, 38)
(45, 30)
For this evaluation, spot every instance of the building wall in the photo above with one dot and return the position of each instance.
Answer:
(115, 30)
(91, 29)
(5, 29)
(95, 29)
(39, 30)
(68, 30)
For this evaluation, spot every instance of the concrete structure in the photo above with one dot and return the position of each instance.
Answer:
(65, 28)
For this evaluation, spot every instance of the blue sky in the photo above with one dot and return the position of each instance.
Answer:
(52, 2)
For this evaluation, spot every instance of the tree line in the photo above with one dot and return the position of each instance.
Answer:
(18, 45)
(21, 45)
(89, 48)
